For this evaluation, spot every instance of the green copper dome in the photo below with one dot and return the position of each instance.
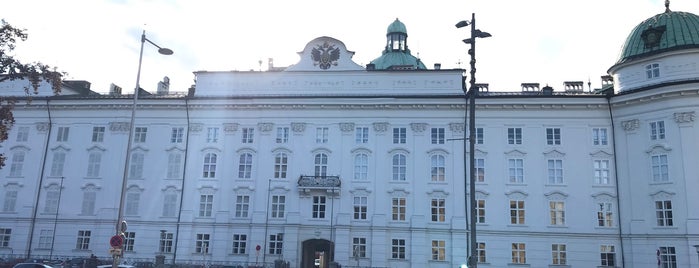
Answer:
(396, 55)
(664, 32)
(396, 27)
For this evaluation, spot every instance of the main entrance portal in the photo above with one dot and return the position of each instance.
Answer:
(316, 253)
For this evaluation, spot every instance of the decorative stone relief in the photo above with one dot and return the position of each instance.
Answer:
(457, 127)
(265, 127)
(381, 127)
(230, 127)
(298, 127)
(630, 125)
(42, 127)
(119, 127)
(686, 117)
(418, 127)
(346, 127)
(196, 127)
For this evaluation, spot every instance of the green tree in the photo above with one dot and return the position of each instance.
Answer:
(13, 69)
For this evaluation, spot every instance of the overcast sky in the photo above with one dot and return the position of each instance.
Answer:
(534, 41)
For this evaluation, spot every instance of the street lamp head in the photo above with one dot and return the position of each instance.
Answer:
(462, 23)
(481, 34)
(165, 51)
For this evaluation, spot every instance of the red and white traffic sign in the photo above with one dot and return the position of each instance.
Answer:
(116, 241)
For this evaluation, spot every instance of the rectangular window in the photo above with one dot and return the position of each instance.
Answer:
(5, 234)
(202, 243)
(133, 199)
(206, 205)
(599, 136)
(480, 211)
(517, 212)
(10, 201)
(659, 168)
(170, 204)
(605, 215)
(657, 130)
(88, 206)
(601, 168)
(320, 167)
(45, 239)
(668, 257)
(209, 167)
(280, 165)
(557, 212)
(555, 171)
(398, 249)
(607, 255)
(242, 205)
(176, 135)
(174, 165)
(514, 135)
(437, 135)
(553, 136)
(399, 166)
(248, 134)
(17, 165)
(519, 253)
(663, 213)
(83, 242)
(278, 206)
(319, 207)
(360, 207)
(322, 135)
(212, 135)
(136, 166)
(399, 135)
(439, 250)
(51, 205)
(479, 164)
(479, 135)
(166, 242)
(398, 209)
(245, 166)
(359, 247)
(276, 244)
(438, 207)
(480, 252)
(240, 242)
(22, 134)
(282, 135)
(361, 135)
(97, 134)
(438, 167)
(515, 168)
(94, 161)
(129, 240)
(62, 135)
(558, 254)
(652, 70)
(140, 134)
(59, 160)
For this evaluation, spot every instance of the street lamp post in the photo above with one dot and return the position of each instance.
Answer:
(121, 224)
(471, 95)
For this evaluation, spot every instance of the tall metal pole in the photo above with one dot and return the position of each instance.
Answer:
(472, 91)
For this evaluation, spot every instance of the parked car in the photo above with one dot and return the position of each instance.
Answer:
(31, 265)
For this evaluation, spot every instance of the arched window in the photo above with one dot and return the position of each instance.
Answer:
(361, 166)
(245, 166)
(321, 164)
(209, 165)
(399, 167)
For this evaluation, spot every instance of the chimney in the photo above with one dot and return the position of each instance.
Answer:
(114, 90)
(530, 87)
(437, 66)
(482, 87)
(607, 80)
(164, 86)
(573, 86)
(370, 67)
(547, 90)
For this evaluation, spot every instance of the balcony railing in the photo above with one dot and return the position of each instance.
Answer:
(319, 182)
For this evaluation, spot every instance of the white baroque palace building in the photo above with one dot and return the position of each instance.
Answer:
(329, 161)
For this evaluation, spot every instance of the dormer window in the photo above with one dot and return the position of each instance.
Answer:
(652, 70)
